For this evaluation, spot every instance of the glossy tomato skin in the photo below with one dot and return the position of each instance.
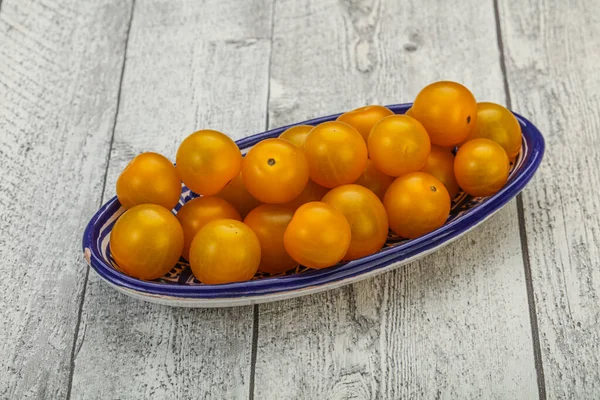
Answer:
(236, 194)
(269, 223)
(312, 192)
(398, 145)
(207, 160)
(198, 212)
(149, 178)
(224, 251)
(447, 110)
(275, 171)
(296, 134)
(336, 153)
(481, 167)
(365, 214)
(318, 235)
(497, 123)
(364, 118)
(416, 204)
(146, 241)
(374, 180)
(440, 164)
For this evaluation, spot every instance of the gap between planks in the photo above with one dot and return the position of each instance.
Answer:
(75, 349)
(255, 308)
(535, 335)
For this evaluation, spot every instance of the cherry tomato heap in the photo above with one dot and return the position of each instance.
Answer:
(315, 196)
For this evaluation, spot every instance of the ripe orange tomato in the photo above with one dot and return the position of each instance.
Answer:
(198, 212)
(238, 196)
(296, 134)
(312, 192)
(275, 171)
(481, 167)
(364, 118)
(447, 110)
(365, 214)
(269, 222)
(440, 164)
(149, 178)
(416, 203)
(336, 153)
(224, 251)
(398, 145)
(207, 160)
(146, 241)
(497, 123)
(374, 180)
(318, 235)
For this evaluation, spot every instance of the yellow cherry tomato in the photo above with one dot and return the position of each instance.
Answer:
(207, 160)
(198, 212)
(275, 171)
(238, 196)
(416, 204)
(150, 178)
(447, 110)
(364, 118)
(481, 167)
(365, 214)
(374, 180)
(224, 251)
(318, 235)
(146, 241)
(398, 145)
(336, 153)
(269, 222)
(497, 123)
(296, 134)
(440, 164)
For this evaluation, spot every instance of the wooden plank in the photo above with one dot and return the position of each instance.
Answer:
(455, 325)
(190, 65)
(60, 65)
(552, 59)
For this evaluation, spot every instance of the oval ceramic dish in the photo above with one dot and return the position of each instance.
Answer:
(180, 288)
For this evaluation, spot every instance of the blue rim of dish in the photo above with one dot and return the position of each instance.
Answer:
(340, 272)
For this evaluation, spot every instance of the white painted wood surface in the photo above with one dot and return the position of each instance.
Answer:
(190, 65)
(456, 325)
(552, 56)
(60, 64)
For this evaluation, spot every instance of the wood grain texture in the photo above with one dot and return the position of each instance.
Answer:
(190, 65)
(60, 64)
(552, 54)
(455, 325)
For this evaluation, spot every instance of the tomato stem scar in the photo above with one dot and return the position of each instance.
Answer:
(433, 188)
(271, 161)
